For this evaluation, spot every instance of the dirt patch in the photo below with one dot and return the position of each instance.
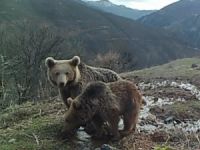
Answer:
(179, 111)
(136, 141)
(170, 92)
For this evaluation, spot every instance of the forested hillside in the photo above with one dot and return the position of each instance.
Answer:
(182, 18)
(31, 30)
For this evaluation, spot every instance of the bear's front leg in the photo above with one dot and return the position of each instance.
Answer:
(130, 119)
(95, 127)
(114, 128)
(65, 94)
(67, 131)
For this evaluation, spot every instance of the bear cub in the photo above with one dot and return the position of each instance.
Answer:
(107, 102)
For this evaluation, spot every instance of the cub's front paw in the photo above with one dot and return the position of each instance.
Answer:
(66, 135)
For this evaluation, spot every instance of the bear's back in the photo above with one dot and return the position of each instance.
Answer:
(126, 93)
(89, 73)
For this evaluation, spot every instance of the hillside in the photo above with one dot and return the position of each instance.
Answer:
(181, 68)
(169, 120)
(182, 18)
(91, 31)
(120, 10)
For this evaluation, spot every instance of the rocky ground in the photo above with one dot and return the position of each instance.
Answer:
(169, 120)
(172, 113)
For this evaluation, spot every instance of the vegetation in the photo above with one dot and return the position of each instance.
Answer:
(30, 32)
(31, 126)
(119, 10)
(37, 124)
(97, 32)
(185, 25)
(162, 148)
(22, 69)
(178, 68)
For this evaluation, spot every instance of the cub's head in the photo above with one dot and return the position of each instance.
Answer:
(76, 115)
(61, 72)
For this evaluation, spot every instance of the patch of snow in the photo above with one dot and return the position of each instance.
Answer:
(147, 127)
(185, 86)
(188, 126)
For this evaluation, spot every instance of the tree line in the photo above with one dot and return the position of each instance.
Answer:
(23, 49)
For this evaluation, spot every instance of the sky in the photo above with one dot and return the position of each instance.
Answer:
(142, 4)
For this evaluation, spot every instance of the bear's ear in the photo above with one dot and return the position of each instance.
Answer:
(69, 101)
(75, 61)
(95, 89)
(50, 62)
(76, 104)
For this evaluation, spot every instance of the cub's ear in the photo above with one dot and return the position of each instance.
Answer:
(49, 62)
(69, 101)
(76, 104)
(75, 61)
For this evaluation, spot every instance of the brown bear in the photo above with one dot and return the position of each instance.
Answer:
(107, 102)
(70, 76)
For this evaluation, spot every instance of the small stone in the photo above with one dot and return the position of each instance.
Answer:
(194, 65)
(151, 117)
(169, 120)
(107, 147)
(155, 99)
(12, 141)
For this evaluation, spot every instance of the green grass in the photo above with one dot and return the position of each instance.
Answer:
(186, 110)
(97, 32)
(162, 148)
(32, 126)
(177, 68)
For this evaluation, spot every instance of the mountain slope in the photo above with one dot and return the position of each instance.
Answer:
(183, 18)
(94, 32)
(37, 124)
(120, 10)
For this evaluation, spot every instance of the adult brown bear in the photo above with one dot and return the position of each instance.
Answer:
(71, 76)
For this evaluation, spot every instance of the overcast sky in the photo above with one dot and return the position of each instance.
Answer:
(143, 4)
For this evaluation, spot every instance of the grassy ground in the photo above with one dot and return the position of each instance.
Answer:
(31, 126)
(178, 68)
(36, 125)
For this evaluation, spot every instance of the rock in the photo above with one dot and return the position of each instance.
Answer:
(157, 110)
(169, 120)
(12, 141)
(155, 99)
(107, 147)
(172, 119)
(194, 66)
(151, 118)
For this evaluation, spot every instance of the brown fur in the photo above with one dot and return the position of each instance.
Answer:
(107, 102)
(75, 75)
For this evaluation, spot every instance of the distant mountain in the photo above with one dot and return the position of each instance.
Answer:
(120, 10)
(92, 31)
(182, 17)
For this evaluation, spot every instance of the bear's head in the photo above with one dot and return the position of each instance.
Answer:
(76, 115)
(61, 72)
(84, 107)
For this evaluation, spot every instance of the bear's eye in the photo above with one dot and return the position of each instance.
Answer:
(67, 73)
(57, 73)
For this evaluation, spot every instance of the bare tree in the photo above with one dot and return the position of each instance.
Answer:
(26, 49)
(110, 60)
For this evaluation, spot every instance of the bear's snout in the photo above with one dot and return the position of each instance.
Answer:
(61, 84)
